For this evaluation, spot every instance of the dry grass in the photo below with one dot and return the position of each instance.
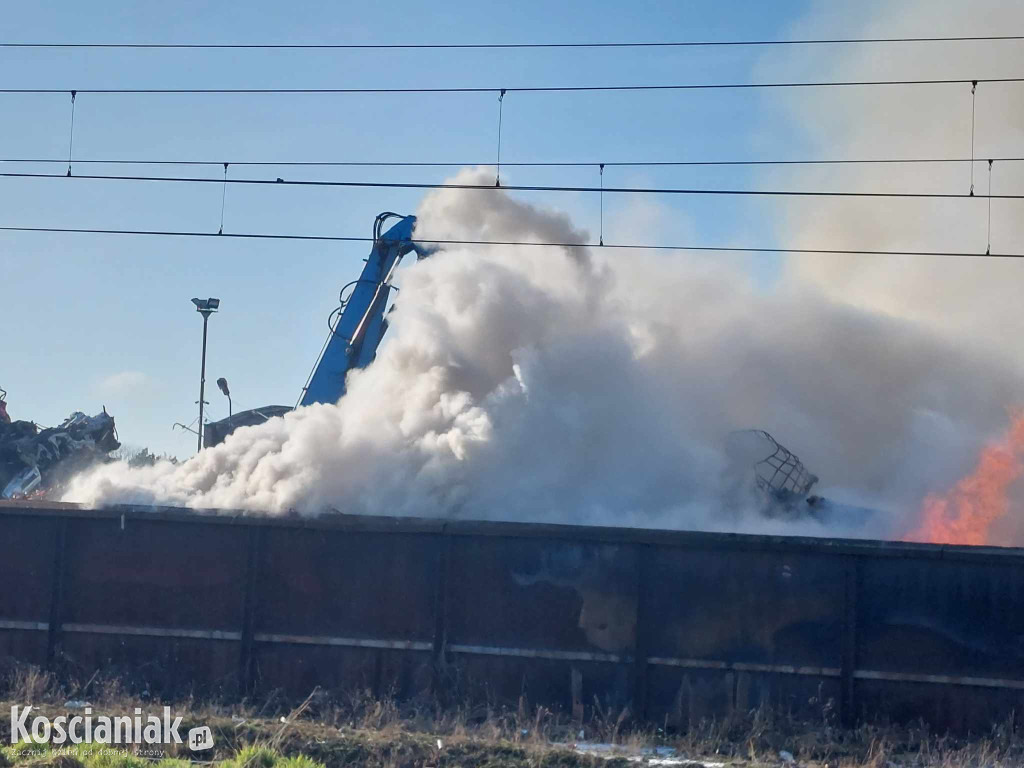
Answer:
(360, 729)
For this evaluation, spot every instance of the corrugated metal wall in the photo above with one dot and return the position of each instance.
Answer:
(676, 627)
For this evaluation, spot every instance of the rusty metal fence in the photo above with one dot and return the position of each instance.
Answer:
(674, 626)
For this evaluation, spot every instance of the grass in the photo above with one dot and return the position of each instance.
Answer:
(315, 742)
(363, 730)
(259, 756)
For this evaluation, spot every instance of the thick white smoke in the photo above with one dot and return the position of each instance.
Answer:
(973, 302)
(973, 299)
(598, 386)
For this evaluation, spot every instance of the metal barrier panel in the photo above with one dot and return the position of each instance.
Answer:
(941, 639)
(553, 620)
(342, 609)
(734, 630)
(672, 627)
(27, 556)
(154, 595)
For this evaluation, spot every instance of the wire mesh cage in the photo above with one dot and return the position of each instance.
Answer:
(777, 470)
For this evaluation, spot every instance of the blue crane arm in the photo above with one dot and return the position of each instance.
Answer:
(360, 326)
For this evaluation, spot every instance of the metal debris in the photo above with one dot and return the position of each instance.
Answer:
(33, 460)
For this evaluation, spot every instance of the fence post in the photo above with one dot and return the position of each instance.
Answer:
(56, 592)
(644, 553)
(254, 548)
(444, 551)
(848, 698)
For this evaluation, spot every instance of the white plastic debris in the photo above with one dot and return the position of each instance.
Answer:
(786, 757)
(644, 756)
(439, 744)
(76, 704)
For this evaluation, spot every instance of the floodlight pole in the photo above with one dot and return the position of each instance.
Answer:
(202, 378)
(205, 307)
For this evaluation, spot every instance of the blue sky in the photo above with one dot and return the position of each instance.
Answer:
(99, 320)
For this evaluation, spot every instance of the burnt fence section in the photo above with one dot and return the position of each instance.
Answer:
(672, 627)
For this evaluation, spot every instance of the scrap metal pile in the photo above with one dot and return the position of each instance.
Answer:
(34, 460)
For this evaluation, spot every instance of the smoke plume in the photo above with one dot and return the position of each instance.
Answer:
(567, 385)
(968, 301)
(973, 299)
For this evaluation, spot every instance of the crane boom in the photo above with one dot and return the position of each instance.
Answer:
(360, 324)
(356, 328)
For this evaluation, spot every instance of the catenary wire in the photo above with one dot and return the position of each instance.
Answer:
(626, 246)
(526, 164)
(488, 46)
(511, 188)
(520, 89)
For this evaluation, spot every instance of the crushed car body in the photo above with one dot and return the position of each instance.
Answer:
(34, 460)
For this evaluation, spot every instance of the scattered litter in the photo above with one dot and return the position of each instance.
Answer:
(590, 749)
(76, 704)
(643, 756)
(439, 744)
(786, 757)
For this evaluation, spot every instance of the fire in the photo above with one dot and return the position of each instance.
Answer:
(965, 514)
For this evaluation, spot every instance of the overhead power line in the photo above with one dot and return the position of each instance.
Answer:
(513, 187)
(517, 89)
(506, 46)
(518, 243)
(528, 164)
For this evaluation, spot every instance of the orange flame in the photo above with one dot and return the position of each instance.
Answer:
(966, 513)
